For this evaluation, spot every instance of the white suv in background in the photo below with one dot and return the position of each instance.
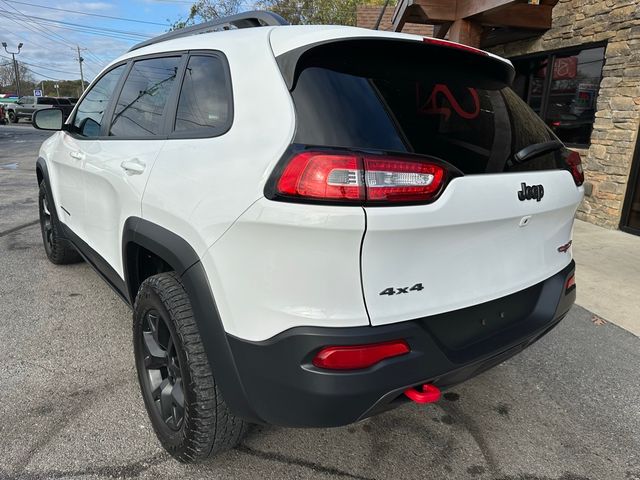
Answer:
(312, 224)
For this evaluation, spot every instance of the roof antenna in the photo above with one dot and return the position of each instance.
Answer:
(384, 8)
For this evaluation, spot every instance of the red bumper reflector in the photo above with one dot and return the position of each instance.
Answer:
(571, 282)
(429, 394)
(353, 357)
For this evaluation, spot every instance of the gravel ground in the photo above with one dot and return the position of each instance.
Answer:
(568, 408)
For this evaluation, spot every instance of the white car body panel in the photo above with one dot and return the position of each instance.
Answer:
(199, 187)
(287, 38)
(67, 182)
(285, 265)
(112, 195)
(275, 265)
(468, 247)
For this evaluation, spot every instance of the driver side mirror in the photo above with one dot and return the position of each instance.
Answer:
(48, 119)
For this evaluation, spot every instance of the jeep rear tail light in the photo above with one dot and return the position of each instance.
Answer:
(363, 179)
(323, 176)
(574, 162)
(401, 181)
(354, 357)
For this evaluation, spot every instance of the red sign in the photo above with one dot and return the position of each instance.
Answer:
(565, 68)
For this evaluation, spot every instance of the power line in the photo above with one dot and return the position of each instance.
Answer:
(60, 23)
(40, 66)
(102, 34)
(44, 29)
(52, 49)
(41, 74)
(92, 14)
(96, 58)
(24, 24)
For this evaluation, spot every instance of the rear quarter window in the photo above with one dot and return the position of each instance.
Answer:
(205, 102)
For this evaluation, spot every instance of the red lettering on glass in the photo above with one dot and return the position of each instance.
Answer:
(431, 106)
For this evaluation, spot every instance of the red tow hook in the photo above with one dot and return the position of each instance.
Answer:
(429, 394)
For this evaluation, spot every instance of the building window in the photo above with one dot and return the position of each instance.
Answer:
(562, 87)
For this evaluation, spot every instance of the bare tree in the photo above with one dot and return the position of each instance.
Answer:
(8, 80)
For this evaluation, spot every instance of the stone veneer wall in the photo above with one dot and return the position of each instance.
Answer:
(608, 161)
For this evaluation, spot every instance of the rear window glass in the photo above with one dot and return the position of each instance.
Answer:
(474, 123)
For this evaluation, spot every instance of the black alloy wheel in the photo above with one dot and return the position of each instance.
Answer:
(46, 224)
(162, 367)
(185, 406)
(58, 249)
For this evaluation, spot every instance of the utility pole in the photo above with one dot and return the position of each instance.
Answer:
(384, 9)
(57, 89)
(80, 60)
(15, 65)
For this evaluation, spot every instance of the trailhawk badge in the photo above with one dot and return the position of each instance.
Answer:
(529, 192)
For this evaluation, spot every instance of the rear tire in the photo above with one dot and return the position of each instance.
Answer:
(187, 411)
(58, 249)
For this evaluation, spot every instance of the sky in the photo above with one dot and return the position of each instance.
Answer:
(49, 46)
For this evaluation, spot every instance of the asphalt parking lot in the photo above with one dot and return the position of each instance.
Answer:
(568, 408)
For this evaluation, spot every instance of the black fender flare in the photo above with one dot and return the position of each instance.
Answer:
(42, 173)
(182, 258)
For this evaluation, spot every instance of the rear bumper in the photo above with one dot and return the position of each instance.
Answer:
(284, 388)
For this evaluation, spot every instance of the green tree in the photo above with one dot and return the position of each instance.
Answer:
(204, 10)
(330, 12)
(66, 88)
(315, 12)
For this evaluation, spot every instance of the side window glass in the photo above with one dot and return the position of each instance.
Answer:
(90, 111)
(204, 106)
(140, 108)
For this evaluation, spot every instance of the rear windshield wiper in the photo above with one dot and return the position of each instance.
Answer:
(532, 151)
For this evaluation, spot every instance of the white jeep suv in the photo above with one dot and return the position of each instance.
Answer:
(312, 224)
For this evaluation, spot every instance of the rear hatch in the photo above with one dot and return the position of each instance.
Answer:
(500, 219)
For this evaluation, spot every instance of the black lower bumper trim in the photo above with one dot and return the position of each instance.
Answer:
(284, 388)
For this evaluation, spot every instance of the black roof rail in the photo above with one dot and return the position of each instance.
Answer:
(252, 19)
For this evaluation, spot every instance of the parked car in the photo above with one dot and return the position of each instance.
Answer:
(311, 224)
(8, 104)
(26, 106)
(73, 100)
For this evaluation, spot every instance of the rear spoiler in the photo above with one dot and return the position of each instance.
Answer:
(366, 52)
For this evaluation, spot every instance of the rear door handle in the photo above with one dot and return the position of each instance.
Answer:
(133, 167)
(77, 155)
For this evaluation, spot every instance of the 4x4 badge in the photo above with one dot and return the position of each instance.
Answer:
(529, 192)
